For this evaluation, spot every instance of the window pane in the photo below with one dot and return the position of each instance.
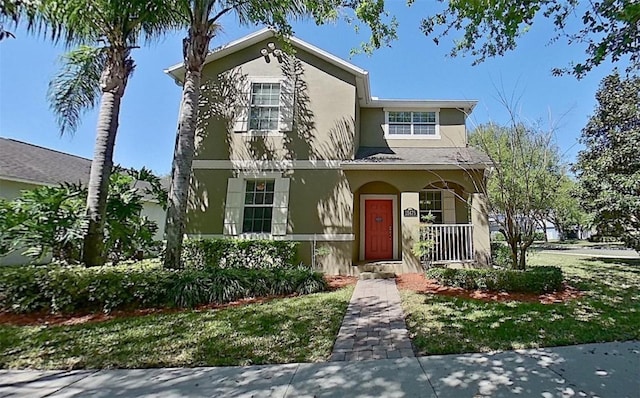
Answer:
(424, 129)
(424, 117)
(399, 129)
(248, 198)
(271, 186)
(268, 198)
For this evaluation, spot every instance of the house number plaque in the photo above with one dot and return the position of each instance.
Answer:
(410, 212)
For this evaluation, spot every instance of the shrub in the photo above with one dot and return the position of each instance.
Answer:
(538, 236)
(534, 280)
(498, 237)
(239, 253)
(65, 289)
(500, 254)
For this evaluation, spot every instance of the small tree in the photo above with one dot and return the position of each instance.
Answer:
(522, 183)
(566, 214)
(608, 169)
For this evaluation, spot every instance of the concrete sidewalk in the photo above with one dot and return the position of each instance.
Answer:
(603, 370)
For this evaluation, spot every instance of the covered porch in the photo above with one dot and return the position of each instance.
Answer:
(396, 208)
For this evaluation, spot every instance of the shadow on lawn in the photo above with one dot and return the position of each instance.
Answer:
(289, 330)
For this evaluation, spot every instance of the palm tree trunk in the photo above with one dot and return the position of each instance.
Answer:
(194, 50)
(113, 83)
(181, 170)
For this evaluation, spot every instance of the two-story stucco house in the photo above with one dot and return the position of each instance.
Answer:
(296, 148)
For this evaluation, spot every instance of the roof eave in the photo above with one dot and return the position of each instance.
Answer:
(409, 166)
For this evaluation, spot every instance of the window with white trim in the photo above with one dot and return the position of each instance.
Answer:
(258, 206)
(431, 206)
(412, 123)
(265, 106)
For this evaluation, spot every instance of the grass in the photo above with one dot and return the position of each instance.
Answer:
(608, 311)
(299, 329)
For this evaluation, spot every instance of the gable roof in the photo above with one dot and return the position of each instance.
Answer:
(177, 72)
(24, 162)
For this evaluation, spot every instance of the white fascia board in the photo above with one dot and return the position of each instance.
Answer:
(176, 71)
(400, 103)
(410, 166)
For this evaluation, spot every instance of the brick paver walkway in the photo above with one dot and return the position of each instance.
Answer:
(373, 327)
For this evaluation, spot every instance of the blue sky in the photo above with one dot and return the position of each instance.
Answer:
(413, 68)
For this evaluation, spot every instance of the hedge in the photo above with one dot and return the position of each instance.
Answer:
(66, 289)
(239, 253)
(534, 280)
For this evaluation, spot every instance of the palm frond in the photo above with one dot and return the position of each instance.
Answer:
(76, 87)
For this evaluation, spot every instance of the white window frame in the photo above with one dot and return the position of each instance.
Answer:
(411, 136)
(234, 206)
(264, 206)
(441, 211)
(281, 130)
(264, 80)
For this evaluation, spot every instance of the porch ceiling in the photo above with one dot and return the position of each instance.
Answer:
(421, 158)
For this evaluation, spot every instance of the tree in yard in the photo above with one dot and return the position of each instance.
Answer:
(98, 71)
(608, 169)
(201, 18)
(522, 183)
(566, 214)
(610, 28)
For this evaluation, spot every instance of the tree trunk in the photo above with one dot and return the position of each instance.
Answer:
(195, 48)
(181, 170)
(112, 82)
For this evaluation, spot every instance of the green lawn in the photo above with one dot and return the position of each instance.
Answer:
(300, 329)
(608, 311)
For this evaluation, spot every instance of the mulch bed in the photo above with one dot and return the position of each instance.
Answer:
(420, 284)
(46, 319)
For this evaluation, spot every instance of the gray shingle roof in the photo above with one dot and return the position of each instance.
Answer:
(440, 156)
(32, 163)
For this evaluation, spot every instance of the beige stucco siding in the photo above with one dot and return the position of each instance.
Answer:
(452, 130)
(320, 202)
(324, 121)
(12, 189)
(206, 201)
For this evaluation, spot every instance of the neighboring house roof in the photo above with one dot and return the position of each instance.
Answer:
(28, 163)
(434, 158)
(362, 76)
(24, 162)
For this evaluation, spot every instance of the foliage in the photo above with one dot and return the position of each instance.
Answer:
(610, 28)
(500, 254)
(51, 220)
(606, 310)
(12, 11)
(296, 329)
(126, 230)
(534, 280)
(523, 181)
(608, 169)
(566, 213)
(75, 88)
(65, 289)
(239, 253)
(46, 220)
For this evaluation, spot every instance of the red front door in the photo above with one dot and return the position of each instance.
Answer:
(378, 229)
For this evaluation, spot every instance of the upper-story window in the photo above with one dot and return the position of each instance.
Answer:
(268, 108)
(265, 106)
(412, 124)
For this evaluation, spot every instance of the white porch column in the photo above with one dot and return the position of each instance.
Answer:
(410, 224)
(481, 235)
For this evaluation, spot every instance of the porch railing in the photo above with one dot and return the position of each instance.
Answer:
(451, 242)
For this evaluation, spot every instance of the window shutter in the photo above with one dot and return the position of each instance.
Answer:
(280, 207)
(243, 104)
(287, 104)
(448, 207)
(234, 207)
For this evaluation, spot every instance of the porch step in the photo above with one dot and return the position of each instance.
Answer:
(377, 275)
(389, 267)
